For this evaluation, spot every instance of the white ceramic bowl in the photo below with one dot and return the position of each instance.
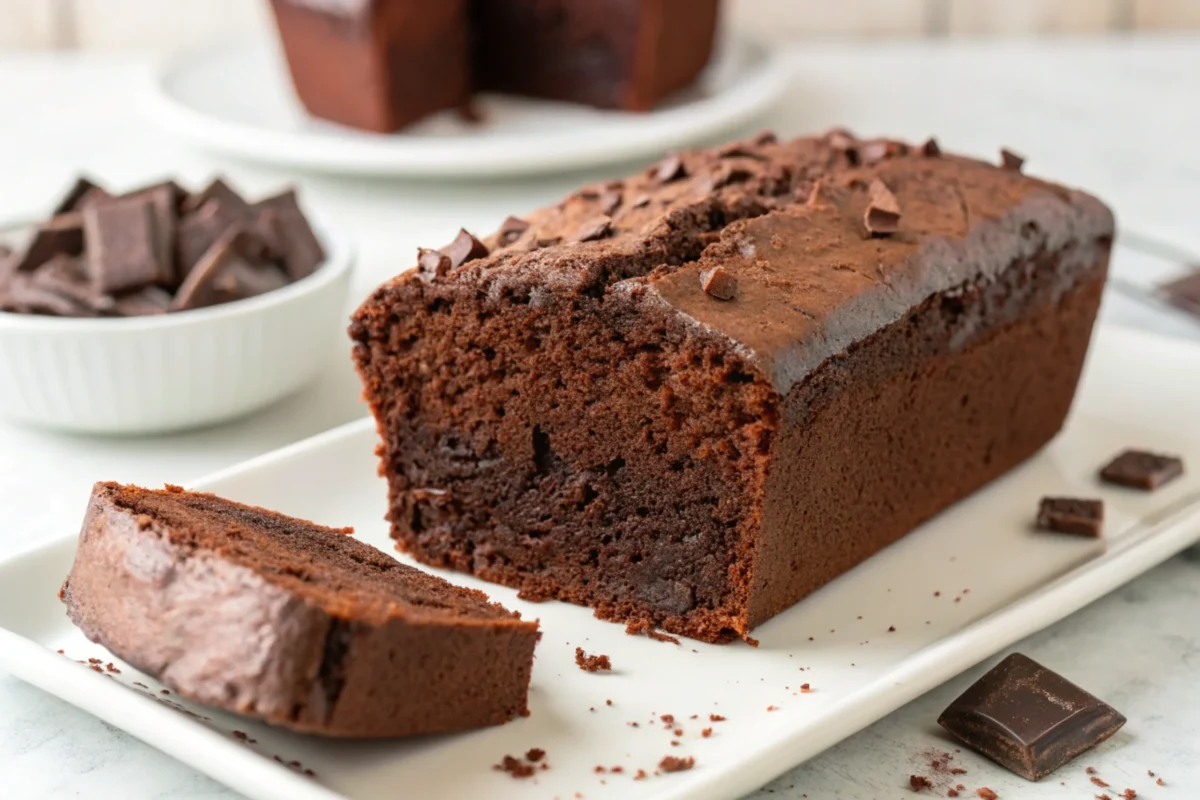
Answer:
(154, 374)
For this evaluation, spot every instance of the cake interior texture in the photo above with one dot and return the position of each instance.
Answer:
(574, 415)
(282, 619)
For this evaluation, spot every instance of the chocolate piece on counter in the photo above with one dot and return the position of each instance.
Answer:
(221, 191)
(931, 149)
(511, 230)
(225, 273)
(719, 283)
(1010, 160)
(1029, 719)
(882, 216)
(123, 249)
(610, 201)
(592, 231)
(464, 248)
(83, 193)
(1184, 292)
(63, 235)
(1141, 470)
(145, 302)
(669, 169)
(1071, 515)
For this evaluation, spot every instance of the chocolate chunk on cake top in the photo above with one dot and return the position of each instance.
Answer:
(1139, 469)
(290, 622)
(1071, 515)
(1029, 719)
(605, 422)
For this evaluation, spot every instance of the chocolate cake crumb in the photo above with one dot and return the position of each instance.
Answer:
(1010, 160)
(772, 708)
(645, 626)
(891, 628)
(951, 793)
(1160, 782)
(96, 668)
(715, 718)
(678, 731)
(60, 652)
(599, 768)
(514, 767)
(535, 754)
(634, 725)
(640, 776)
(986, 793)
(673, 764)
(706, 732)
(608, 702)
(719, 283)
(95, 661)
(1150, 772)
(668, 719)
(588, 663)
(164, 691)
(1090, 770)
(109, 666)
(1129, 794)
(674, 743)
(1100, 782)
(919, 783)
(804, 687)
(140, 685)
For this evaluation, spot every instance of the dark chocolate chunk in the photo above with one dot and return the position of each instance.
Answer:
(641, 201)
(302, 250)
(221, 191)
(931, 149)
(67, 277)
(842, 140)
(464, 248)
(1141, 470)
(729, 174)
(719, 283)
(876, 150)
(592, 231)
(765, 138)
(1010, 160)
(83, 193)
(224, 274)
(62, 235)
(432, 264)
(145, 302)
(669, 169)
(511, 230)
(610, 201)
(1029, 719)
(740, 150)
(1071, 515)
(883, 210)
(1184, 292)
(123, 249)
(22, 295)
(198, 230)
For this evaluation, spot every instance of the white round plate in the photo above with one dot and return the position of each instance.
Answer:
(238, 100)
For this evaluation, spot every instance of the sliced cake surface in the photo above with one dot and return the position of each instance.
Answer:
(288, 621)
(693, 396)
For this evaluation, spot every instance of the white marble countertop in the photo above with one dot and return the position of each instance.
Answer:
(1118, 116)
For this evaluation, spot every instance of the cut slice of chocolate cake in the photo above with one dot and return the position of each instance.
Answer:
(694, 396)
(284, 620)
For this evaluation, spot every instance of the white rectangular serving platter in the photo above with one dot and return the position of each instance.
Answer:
(964, 586)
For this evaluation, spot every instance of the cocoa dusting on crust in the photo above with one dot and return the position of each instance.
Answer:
(600, 663)
(673, 764)
(535, 754)
(514, 767)
(919, 783)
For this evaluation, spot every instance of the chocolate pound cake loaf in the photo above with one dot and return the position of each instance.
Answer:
(296, 624)
(694, 396)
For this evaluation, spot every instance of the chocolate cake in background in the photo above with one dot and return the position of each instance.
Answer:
(290, 622)
(691, 397)
(380, 65)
